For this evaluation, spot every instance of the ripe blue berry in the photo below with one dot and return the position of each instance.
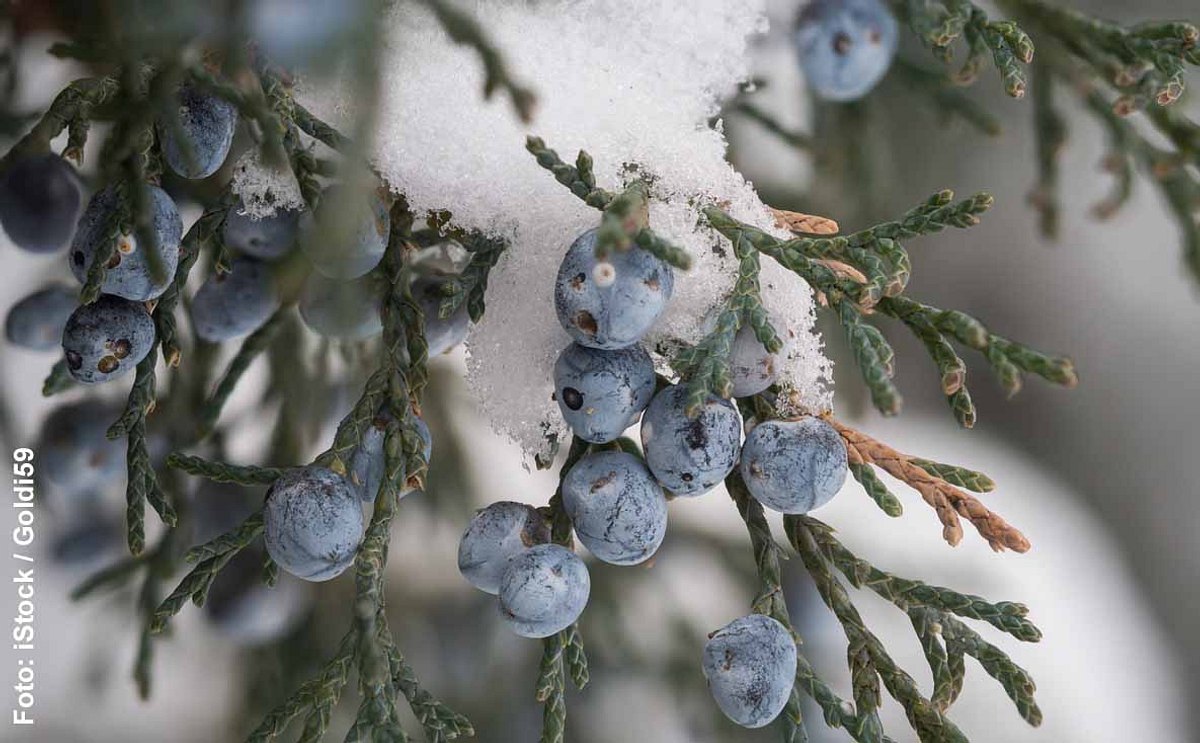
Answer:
(341, 309)
(601, 393)
(37, 321)
(689, 456)
(621, 311)
(76, 456)
(845, 46)
(619, 512)
(233, 304)
(129, 274)
(544, 590)
(269, 238)
(106, 339)
(752, 367)
(362, 248)
(197, 141)
(40, 201)
(441, 333)
(368, 463)
(794, 466)
(494, 537)
(313, 523)
(750, 665)
(246, 611)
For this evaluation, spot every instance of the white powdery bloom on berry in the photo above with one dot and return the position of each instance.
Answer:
(263, 189)
(635, 83)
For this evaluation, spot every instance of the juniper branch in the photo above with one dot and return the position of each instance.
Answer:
(578, 178)
(1015, 680)
(705, 366)
(245, 474)
(198, 236)
(252, 347)
(463, 29)
(927, 721)
(770, 600)
(551, 690)
(317, 690)
(909, 594)
(58, 380)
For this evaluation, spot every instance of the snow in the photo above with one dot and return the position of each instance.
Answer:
(635, 83)
(264, 189)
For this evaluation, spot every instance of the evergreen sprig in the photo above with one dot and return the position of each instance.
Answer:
(904, 593)
(770, 600)
(254, 345)
(563, 650)
(705, 366)
(58, 380)
(471, 284)
(870, 662)
(940, 24)
(199, 235)
(880, 270)
(551, 688)
(463, 29)
(318, 693)
(142, 483)
(626, 215)
(244, 474)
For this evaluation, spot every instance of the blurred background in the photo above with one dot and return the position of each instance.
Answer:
(1101, 478)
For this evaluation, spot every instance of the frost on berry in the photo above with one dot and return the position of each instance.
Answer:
(638, 97)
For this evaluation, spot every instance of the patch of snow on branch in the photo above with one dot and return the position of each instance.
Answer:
(634, 82)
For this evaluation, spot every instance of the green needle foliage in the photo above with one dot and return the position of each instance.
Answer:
(878, 255)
